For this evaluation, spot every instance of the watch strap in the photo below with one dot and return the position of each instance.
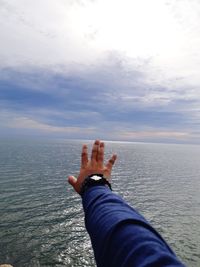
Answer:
(89, 182)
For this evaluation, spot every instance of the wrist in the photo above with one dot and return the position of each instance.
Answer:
(94, 180)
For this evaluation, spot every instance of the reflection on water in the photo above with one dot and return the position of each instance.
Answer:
(42, 222)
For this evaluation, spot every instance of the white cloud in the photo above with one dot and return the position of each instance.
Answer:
(39, 33)
(155, 135)
(58, 32)
(26, 125)
(140, 54)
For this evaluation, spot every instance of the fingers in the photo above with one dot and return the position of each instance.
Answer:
(100, 155)
(96, 165)
(84, 156)
(72, 180)
(111, 162)
(95, 150)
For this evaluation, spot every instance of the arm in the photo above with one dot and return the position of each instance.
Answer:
(120, 236)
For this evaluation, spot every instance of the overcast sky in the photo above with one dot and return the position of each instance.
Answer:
(110, 69)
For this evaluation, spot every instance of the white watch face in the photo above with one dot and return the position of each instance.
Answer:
(96, 177)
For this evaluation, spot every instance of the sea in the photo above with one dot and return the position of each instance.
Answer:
(41, 217)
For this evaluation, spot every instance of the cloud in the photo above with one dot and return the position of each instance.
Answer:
(98, 101)
(25, 126)
(133, 75)
(153, 134)
(26, 123)
(42, 33)
(47, 34)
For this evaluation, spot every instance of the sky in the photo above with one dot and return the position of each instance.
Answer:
(124, 70)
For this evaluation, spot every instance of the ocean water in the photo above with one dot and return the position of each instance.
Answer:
(41, 218)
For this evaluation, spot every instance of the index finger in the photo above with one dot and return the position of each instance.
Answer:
(111, 162)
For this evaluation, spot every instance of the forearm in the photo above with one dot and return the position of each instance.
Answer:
(121, 236)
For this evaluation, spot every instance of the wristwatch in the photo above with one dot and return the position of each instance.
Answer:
(94, 180)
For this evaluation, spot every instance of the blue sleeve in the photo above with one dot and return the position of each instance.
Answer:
(120, 236)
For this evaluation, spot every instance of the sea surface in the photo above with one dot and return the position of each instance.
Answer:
(41, 218)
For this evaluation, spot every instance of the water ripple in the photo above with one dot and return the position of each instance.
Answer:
(42, 221)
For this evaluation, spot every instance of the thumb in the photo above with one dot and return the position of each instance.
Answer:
(72, 180)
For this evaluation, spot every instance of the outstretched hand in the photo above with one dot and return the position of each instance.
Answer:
(93, 166)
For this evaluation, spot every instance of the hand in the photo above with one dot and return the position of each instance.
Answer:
(93, 166)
